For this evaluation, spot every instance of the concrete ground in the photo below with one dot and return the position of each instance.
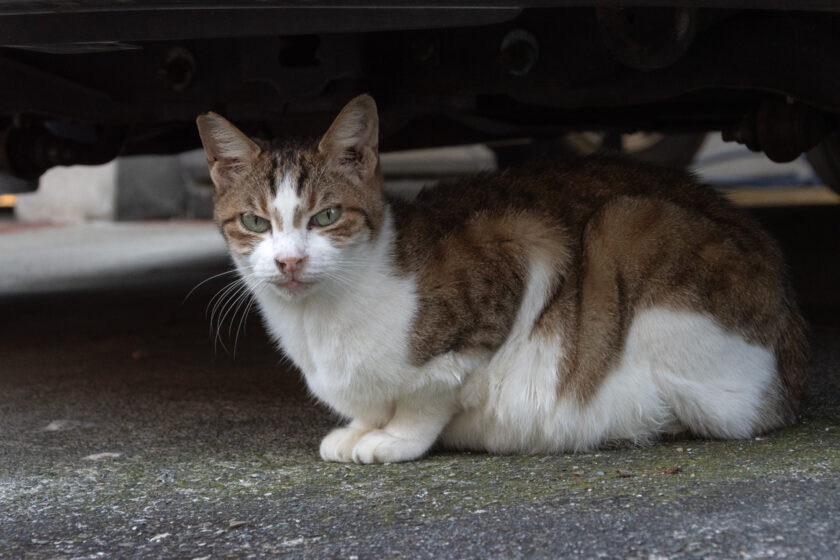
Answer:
(129, 428)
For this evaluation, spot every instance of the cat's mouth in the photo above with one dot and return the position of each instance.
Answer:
(292, 286)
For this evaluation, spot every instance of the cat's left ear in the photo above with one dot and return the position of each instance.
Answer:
(352, 142)
(228, 150)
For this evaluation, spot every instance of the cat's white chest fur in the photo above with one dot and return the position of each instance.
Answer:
(349, 347)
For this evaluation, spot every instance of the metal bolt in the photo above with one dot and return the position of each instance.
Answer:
(519, 52)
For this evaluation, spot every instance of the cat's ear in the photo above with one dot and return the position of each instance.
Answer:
(352, 142)
(228, 150)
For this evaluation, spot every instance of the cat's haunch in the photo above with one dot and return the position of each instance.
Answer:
(546, 309)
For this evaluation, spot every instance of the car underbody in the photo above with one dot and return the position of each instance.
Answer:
(86, 81)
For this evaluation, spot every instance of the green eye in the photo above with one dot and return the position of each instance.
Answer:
(326, 217)
(255, 223)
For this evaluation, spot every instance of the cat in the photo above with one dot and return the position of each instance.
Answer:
(556, 308)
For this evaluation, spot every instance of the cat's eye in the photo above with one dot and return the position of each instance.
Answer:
(326, 217)
(255, 223)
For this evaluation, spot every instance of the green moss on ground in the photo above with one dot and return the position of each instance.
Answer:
(447, 484)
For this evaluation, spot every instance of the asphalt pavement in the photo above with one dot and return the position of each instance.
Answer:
(131, 426)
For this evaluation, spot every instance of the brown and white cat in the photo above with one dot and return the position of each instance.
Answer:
(558, 308)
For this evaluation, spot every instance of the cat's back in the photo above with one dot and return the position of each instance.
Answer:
(568, 194)
(622, 299)
(615, 238)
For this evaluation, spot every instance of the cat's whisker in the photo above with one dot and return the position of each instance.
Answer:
(233, 310)
(243, 291)
(243, 297)
(216, 316)
(229, 300)
(223, 291)
(194, 288)
(220, 293)
(251, 304)
(220, 296)
(244, 320)
(230, 304)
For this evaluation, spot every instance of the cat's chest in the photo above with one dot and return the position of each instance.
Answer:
(327, 345)
(342, 344)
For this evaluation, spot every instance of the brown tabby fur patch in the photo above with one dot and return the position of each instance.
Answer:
(629, 236)
(472, 280)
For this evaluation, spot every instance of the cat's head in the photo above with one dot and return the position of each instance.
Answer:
(296, 219)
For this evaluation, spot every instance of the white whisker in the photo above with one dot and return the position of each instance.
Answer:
(229, 305)
(244, 320)
(194, 288)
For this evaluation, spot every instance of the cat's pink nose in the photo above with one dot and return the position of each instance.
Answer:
(289, 265)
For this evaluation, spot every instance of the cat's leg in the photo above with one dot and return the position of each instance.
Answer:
(414, 428)
(339, 443)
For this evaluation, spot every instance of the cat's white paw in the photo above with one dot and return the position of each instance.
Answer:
(339, 443)
(379, 446)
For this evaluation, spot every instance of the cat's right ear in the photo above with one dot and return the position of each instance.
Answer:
(228, 150)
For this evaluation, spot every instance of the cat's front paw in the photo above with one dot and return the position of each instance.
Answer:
(339, 443)
(379, 446)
